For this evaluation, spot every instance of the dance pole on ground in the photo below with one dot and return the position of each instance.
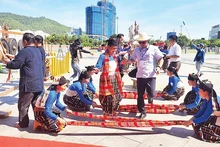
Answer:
(147, 123)
(114, 118)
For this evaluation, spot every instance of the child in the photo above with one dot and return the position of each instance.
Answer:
(174, 90)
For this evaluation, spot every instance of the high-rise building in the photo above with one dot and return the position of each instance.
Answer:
(101, 19)
(215, 32)
(76, 32)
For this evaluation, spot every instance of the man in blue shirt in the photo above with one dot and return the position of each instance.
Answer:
(199, 58)
(29, 61)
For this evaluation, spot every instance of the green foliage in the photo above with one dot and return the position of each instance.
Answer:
(30, 23)
(64, 39)
(183, 41)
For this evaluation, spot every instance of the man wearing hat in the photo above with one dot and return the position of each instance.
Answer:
(199, 58)
(146, 56)
(174, 53)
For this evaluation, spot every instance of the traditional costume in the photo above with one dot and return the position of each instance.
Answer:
(206, 125)
(110, 86)
(77, 97)
(174, 89)
(192, 100)
(46, 116)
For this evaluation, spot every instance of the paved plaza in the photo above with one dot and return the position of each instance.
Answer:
(170, 136)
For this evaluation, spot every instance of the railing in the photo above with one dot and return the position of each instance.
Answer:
(57, 67)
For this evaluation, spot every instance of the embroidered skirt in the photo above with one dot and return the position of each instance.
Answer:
(75, 104)
(208, 131)
(189, 99)
(110, 103)
(175, 96)
(49, 124)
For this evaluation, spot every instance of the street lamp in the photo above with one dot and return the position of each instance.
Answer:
(117, 23)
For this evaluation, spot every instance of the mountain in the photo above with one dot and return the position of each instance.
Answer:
(30, 23)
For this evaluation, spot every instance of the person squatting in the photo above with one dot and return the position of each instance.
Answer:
(202, 101)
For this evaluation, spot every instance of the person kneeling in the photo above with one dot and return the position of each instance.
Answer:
(77, 97)
(174, 90)
(206, 123)
(46, 118)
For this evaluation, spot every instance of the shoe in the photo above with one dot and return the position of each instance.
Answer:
(150, 100)
(143, 115)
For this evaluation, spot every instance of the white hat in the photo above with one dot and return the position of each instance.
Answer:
(143, 37)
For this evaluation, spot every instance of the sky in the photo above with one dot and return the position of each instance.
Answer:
(154, 17)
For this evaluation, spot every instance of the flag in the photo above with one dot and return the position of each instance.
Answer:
(184, 23)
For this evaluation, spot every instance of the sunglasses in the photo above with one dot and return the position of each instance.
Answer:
(142, 42)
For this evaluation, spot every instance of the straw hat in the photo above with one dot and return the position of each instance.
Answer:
(143, 37)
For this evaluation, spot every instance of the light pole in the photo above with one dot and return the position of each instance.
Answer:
(117, 23)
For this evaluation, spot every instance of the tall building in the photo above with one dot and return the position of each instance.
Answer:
(101, 19)
(215, 32)
(76, 32)
(169, 34)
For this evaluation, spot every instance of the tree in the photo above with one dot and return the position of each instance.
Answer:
(183, 41)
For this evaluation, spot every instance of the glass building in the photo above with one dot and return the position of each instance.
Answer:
(77, 32)
(215, 32)
(101, 19)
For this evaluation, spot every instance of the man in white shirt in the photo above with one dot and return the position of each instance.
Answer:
(174, 53)
(149, 61)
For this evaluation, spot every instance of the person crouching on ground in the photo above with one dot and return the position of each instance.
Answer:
(76, 97)
(91, 87)
(206, 123)
(193, 101)
(110, 85)
(174, 90)
(45, 117)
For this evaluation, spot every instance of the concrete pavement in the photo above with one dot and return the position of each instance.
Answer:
(171, 136)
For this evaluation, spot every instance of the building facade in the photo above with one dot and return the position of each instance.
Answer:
(215, 32)
(77, 32)
(101, 19)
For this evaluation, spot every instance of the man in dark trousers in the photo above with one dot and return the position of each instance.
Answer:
(74, 48)
(29, 61)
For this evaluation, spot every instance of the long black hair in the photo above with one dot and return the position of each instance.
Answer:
(173, 70)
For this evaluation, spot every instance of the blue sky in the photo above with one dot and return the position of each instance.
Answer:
(155, 17)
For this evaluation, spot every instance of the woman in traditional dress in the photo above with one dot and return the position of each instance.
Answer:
(174, 90)
(46, 118)
(192, 101)
(90, 86)
(206, 123)
(76, 97)
(110, 86)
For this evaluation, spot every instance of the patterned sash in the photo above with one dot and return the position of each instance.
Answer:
(105, 86)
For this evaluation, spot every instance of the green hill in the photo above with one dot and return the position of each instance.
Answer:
(30, 23)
